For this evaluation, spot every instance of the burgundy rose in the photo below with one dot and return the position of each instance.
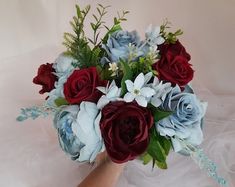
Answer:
(46, 78)
(81, 86)
(125, 130)
(173, 65)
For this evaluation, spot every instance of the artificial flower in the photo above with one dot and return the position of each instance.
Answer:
(111, 93)
(186, 118)
(63, 65)
(138, 90)
(45, 77)
(117, 46)
(161, 90)
(153, 36)
(78, 133)
(173, 65)
(113, 68)
(81, 86)
(125, 130)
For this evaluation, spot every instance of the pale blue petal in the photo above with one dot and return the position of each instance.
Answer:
(102, 102)
(139, 81)
(129, 97)
(141, 101)
(147, 92)
(129, 85)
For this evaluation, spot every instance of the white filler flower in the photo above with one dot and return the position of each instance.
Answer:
(138, 90)
(112, 93)
(153, 36)
(113, 67)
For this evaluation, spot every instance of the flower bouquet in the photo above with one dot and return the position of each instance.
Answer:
(123, 95)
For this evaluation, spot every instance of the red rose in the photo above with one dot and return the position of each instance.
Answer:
(81, 86)
(125, 130)
(45, 77)
(173, 65)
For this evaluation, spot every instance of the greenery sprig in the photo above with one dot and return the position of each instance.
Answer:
(170, 37)
(79, 45)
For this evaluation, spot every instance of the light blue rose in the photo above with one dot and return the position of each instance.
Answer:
(63, 65)
(118, 44)
(79, 132)
(185, 121)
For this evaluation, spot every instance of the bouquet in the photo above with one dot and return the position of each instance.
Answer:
(118, 93)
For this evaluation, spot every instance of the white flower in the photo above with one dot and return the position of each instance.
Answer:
(86, 128)
(78, 131)
(112, 93)
(138, 90)
(161, 90)
(63, 65)
(113, 67)
(153, 36)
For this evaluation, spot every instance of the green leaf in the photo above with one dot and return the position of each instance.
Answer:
(112, 30)
(156, 151)
(159, 114)
(161, 165)
(158, 147)
(93, 26)
(127, 75)
(78, 11)
(61, 101)
(165, 143)
(146, 158)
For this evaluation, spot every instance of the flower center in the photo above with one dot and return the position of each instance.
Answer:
(137, 92)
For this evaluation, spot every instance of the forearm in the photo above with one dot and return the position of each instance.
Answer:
(104, 175)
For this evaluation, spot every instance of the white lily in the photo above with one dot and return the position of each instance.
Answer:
(161, 90)
(112, 93)
(138, 90)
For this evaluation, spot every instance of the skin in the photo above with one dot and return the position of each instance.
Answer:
(106, 174)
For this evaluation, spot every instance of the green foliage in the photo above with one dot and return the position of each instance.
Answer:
(143, 65)
(127, 75)
(146, 158)
(158, 149)
(61, 101)
(97, 25)
(116, 25)
(170, 37)
(79, 46)
(77, 43)
(158, 114)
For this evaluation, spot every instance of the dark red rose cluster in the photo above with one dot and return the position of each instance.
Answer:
(174, 65)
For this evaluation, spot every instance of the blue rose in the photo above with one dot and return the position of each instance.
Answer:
(79, 132)
(118, 44)
(185, 121)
